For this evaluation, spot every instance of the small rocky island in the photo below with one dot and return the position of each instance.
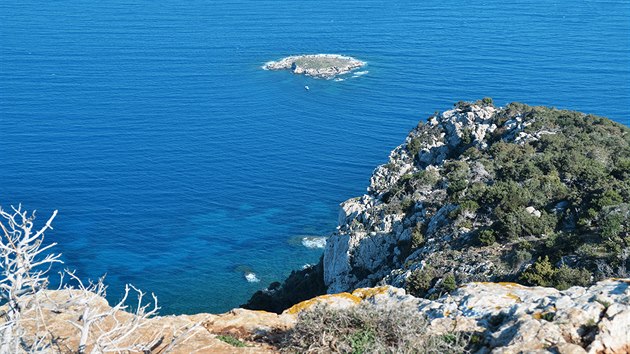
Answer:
(322, 66)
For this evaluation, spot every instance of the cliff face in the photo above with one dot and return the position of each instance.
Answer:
(479, 193)
(372, 231)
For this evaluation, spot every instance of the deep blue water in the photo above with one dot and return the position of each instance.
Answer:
(176, 162)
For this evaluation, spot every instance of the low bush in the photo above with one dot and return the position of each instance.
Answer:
(235, 342)
(487, 237)
(543, 273)
(417, 237)
(420, 281)
(448, 283)
(367, 328)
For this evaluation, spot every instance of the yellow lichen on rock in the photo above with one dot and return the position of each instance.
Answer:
(366, 293)
(340, 299)
(501, 283)
(514, 297)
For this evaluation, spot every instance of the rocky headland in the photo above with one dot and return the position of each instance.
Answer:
(534, 195)
(323, 66)
(489, 230)
(477, 193)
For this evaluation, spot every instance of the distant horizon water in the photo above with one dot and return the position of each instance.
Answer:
(178, 165)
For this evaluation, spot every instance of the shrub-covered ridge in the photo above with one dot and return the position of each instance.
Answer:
(529, 194)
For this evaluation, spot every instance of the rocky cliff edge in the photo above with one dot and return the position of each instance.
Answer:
(496, 317)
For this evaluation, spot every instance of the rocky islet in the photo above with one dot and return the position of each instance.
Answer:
(322, 66)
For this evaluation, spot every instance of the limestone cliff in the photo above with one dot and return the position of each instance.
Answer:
(479, 193)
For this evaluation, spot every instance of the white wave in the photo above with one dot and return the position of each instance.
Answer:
(314, 241)
(307, 266)
(251, 277)
(360, 73)
(338, 79)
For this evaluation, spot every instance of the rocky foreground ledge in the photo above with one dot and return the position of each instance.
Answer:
(322, 66)
(501, 317)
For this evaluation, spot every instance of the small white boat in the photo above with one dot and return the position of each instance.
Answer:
(307, 88)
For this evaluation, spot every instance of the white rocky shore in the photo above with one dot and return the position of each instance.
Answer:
(323, 66)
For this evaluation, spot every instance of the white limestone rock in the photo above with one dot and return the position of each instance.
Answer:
(512, 318)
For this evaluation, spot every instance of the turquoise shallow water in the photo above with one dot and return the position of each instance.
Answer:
(177, 163)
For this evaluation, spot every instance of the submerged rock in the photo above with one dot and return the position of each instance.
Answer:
(323, 66)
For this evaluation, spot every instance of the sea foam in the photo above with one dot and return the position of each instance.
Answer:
(314, 241)
(251, 277)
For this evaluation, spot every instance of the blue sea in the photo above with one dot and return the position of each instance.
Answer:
(177, 164)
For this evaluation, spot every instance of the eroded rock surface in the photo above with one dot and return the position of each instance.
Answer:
(503, 317)
(183, 334)
(511, 318)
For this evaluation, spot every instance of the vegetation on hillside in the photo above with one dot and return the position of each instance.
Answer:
(558, 198)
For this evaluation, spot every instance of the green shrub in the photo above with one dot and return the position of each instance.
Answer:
(407, 205)
(428, 178)
(466, 205)
(362, 340)
(608, 198)
(543, 273)
(469, 205)
(472, 153)
(417, 237)
(367, 328)
(611, 226)
(456, 185)
(621, 170)
(466, 138)
(420, 281)
(235, 342)
(413, 146)
(487, 237)
(540, 273)
(566, 277)
(486, 101)
(413, 180)
(448, 283)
